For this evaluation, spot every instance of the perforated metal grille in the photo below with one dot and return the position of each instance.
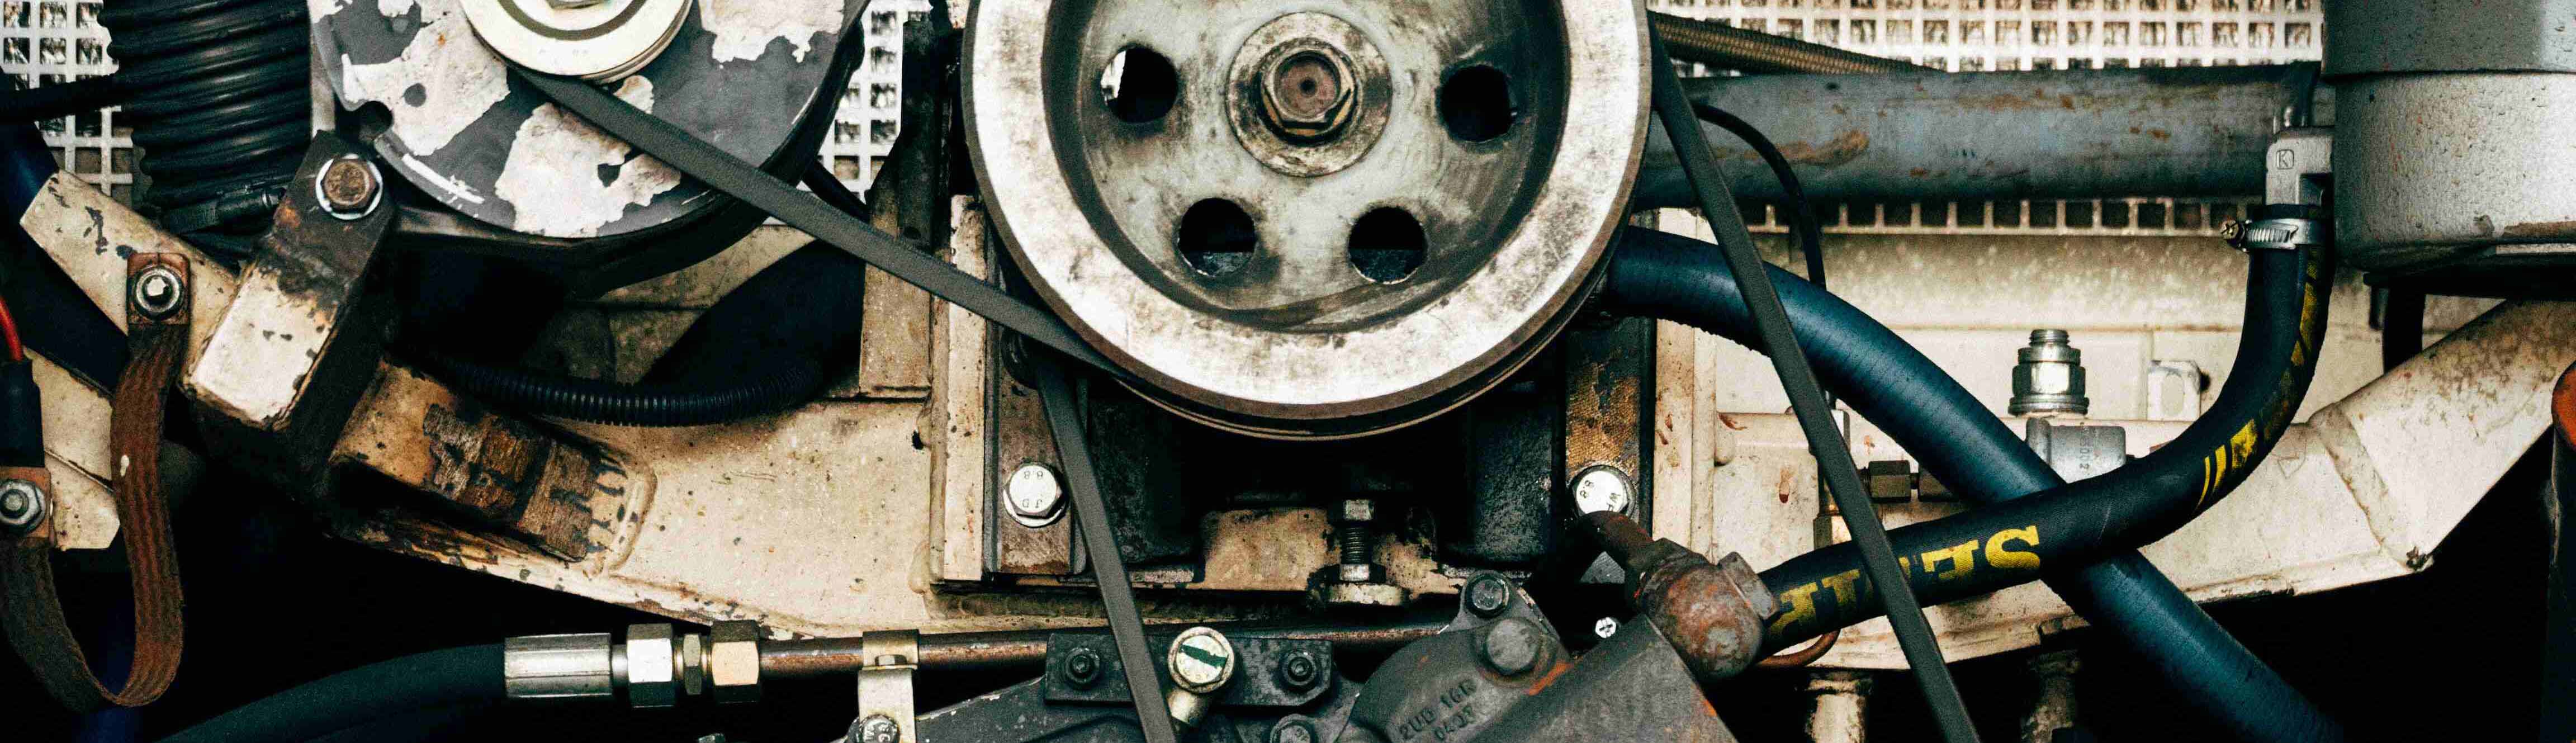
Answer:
(1977, 35)
(864, 128)
(50, 42)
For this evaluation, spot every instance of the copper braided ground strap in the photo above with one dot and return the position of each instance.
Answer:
(33, 611)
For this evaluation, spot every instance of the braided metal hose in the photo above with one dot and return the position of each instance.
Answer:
(1719, 45)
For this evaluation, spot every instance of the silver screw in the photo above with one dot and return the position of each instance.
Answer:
(1605, 627)
(1201, 660)
(157, 291)
(1034, 495)
(22, 506)
(1600, 489)
(879, 729)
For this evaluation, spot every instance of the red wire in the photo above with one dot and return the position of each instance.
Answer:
(9, 334)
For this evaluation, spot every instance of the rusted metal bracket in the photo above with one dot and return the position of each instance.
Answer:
(287, 364)
(885, 687)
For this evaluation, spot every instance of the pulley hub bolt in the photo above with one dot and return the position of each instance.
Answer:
(157, 291)
(1308, 93)
(349, 187)
(22, 506)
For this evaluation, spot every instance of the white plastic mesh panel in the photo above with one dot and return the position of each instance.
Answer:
(1975, 35)
(50, 42)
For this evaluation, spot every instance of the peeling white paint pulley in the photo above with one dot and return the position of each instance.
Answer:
(1316, 220)
(595, 40)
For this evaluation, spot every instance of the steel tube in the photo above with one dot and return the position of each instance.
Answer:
(2183, 131)
(990, 651)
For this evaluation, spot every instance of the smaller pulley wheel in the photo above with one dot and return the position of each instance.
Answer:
(1317, 221)
(595, 40)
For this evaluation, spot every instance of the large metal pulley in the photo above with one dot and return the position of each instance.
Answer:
(1317, 220)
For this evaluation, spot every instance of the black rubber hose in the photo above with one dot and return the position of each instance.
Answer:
(2008, 543)
(352, 698)
(763, 348)
(1793, 195)
(1919, 406)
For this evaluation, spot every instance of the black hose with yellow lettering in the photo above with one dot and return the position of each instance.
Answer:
(2080, 523)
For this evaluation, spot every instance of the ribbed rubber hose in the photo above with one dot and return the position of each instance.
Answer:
(620, 404)
(1958, 441)
(764, 348)
(221, 102)
(438, 678)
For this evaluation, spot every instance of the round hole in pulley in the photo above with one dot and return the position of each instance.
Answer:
(1138, 85)
(1476, 103)
(1387, 244)
(1216, 237)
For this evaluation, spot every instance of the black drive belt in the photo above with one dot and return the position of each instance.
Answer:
(804, 211)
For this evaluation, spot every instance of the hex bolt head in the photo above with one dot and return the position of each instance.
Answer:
(1034, 495)
(1512, 646)
(733, 661)
(1300, 669)
(1354, 511)
(652, 665)
(1601, 488)
(1309, 93)
(1081, 668)
(156, 291)
(1201, 660)
(1488, 594)
(1605, 627)
(22, 506)
(876, 729)
(349, 187)
(1293, 731)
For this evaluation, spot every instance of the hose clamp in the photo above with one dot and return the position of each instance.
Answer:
(2280, 233)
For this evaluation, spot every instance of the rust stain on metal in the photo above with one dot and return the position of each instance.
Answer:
(1843, 148)
(2541, 229)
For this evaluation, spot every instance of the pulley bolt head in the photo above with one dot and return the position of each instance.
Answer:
(1601, 489)
(157, 291)
(1201, 660)
(1034, 495)
(349, 187)
(22, 505)
(1488, 595)
(1512, 646)
(1309, 94)
(1082, 668)
(877, 729)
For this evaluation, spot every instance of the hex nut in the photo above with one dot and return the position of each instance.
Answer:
(1355, 511)
(1363, 594)
(22, 506)
(652, 665)
(1081, 668)
(693, 664)
(1360, 573)
(876, 729)
(1605, 627)
(1293, 731)
(1488, 594)
(1300, 669)
(733, 661)
(157, 291)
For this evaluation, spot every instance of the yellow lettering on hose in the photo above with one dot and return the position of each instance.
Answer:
(1846, 599)
(1802, 609)
(1962, 557)
(2002, 558)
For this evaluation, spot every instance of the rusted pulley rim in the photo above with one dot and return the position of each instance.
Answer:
(1316, 223)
